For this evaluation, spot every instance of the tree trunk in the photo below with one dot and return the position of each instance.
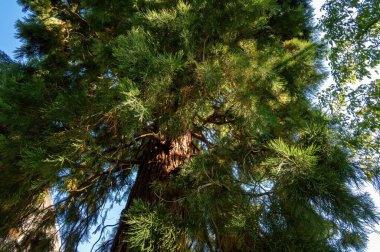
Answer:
(160, 159)
(27, 240)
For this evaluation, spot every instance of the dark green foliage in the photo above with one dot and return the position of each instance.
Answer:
(102, 81)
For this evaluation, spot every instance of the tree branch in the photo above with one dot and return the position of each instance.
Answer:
(202, 138)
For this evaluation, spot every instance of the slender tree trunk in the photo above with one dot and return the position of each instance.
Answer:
(26, 240)
(160, 159)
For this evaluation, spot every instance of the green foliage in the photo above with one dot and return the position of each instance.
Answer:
(105, 85)
(153, 229)
(298, 192)
(352, 29)
(291, 161)
(356, 116)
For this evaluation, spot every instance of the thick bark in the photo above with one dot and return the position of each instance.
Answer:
(160, 159)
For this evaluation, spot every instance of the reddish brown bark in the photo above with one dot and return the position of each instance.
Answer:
(160, 159)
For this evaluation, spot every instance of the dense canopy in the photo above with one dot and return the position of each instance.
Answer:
(196, 114)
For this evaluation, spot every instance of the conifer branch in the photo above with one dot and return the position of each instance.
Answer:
(202, 138)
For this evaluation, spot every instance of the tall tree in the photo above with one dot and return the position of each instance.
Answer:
(197, 111)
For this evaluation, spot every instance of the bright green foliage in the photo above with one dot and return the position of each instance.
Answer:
(152, 229)
(102, 80)
(291, 160)
(352, 28)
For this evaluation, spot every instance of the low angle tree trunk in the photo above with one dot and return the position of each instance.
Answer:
(160, 159)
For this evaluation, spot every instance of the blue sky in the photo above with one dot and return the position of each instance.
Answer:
(10, 12)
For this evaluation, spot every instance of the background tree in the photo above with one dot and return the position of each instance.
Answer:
(27, 216)
(197, 109)
(355, 113)
(352, 29)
